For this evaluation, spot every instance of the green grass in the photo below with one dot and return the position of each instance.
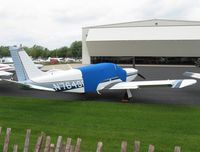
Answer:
(162, 125)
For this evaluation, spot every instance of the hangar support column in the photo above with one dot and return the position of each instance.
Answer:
(133, 62)
(85, 54)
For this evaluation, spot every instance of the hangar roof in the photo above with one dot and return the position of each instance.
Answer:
(144, 33)
(153, 22)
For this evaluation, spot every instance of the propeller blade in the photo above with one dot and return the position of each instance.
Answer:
(141, 76)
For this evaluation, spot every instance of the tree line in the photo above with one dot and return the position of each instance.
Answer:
(75, 50)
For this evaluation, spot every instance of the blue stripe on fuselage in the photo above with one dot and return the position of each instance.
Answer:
(97, 73)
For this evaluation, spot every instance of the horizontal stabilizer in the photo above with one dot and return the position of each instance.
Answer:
(159, 83)
(192, 75)
(30, 86)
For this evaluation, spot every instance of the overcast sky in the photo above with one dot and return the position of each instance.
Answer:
(57, 23)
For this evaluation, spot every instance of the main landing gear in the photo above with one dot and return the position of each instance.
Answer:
(127, 96)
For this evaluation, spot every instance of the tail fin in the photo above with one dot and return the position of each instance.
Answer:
(24, 66)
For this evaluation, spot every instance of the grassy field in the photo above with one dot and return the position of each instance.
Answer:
(162, 125)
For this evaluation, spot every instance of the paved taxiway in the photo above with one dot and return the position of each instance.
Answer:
(189, 95)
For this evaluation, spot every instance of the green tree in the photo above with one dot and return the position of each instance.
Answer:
(37, 51)
(4, 52)
(63, 52)
(53, 53)
(45, 53)
(27, 49)
(76, 48)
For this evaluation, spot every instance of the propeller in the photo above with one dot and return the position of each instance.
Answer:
(140, 75)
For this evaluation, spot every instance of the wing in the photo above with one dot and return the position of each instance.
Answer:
(191, 74)
(4, 73)
(158, 83)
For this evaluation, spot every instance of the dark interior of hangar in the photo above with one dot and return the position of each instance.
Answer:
(148, 60)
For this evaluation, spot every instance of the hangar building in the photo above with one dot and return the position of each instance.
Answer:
(149, 38)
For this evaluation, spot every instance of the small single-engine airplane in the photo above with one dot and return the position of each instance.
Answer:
(92, 78)
(6, 69)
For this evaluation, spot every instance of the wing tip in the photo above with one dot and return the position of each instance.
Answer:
(184, 83)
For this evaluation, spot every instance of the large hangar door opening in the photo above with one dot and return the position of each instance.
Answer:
(112, 59)
(147, 60)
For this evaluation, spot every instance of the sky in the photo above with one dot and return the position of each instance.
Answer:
(57, 23)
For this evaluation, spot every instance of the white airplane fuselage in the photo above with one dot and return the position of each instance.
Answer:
(75, 80)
